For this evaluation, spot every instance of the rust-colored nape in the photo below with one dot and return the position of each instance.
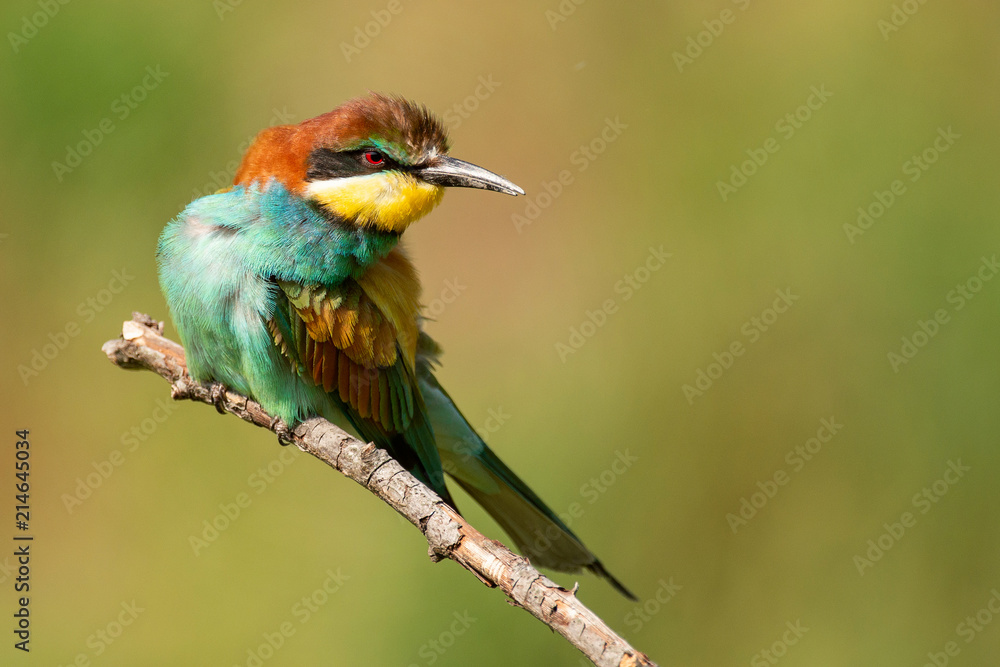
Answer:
(277, 152)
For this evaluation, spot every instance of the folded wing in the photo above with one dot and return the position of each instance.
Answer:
(339, 338)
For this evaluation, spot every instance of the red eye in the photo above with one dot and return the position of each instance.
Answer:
(374, 158)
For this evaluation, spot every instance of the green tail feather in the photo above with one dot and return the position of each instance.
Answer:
(537, 531)
(539, 534)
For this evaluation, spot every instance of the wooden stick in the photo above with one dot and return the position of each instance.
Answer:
(142, 346)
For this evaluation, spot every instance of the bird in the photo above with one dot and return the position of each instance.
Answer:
(292, 287)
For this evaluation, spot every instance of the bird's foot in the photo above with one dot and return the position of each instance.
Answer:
(281, 429)
(218, 397)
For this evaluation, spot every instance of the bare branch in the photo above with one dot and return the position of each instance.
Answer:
(142, 346)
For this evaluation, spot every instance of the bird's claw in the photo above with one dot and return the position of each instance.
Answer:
(281, 429)
(218, 396)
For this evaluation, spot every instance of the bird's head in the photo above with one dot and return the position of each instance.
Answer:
(376, 161)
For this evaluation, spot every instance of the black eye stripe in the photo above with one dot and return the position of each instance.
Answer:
(325, 163)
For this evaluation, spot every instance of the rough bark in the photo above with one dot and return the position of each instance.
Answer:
(142, 346)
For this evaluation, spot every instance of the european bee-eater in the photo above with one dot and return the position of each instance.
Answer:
(291, 287)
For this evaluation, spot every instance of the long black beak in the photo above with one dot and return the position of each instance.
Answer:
(455, 173)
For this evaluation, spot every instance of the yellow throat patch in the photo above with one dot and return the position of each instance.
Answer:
(387, 200)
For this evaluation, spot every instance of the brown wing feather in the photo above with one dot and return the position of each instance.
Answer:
(350, 348)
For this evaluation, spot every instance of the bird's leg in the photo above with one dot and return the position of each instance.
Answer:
(281, 429)
(218, 396)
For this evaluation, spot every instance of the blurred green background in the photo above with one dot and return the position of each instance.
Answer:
(713, 590)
